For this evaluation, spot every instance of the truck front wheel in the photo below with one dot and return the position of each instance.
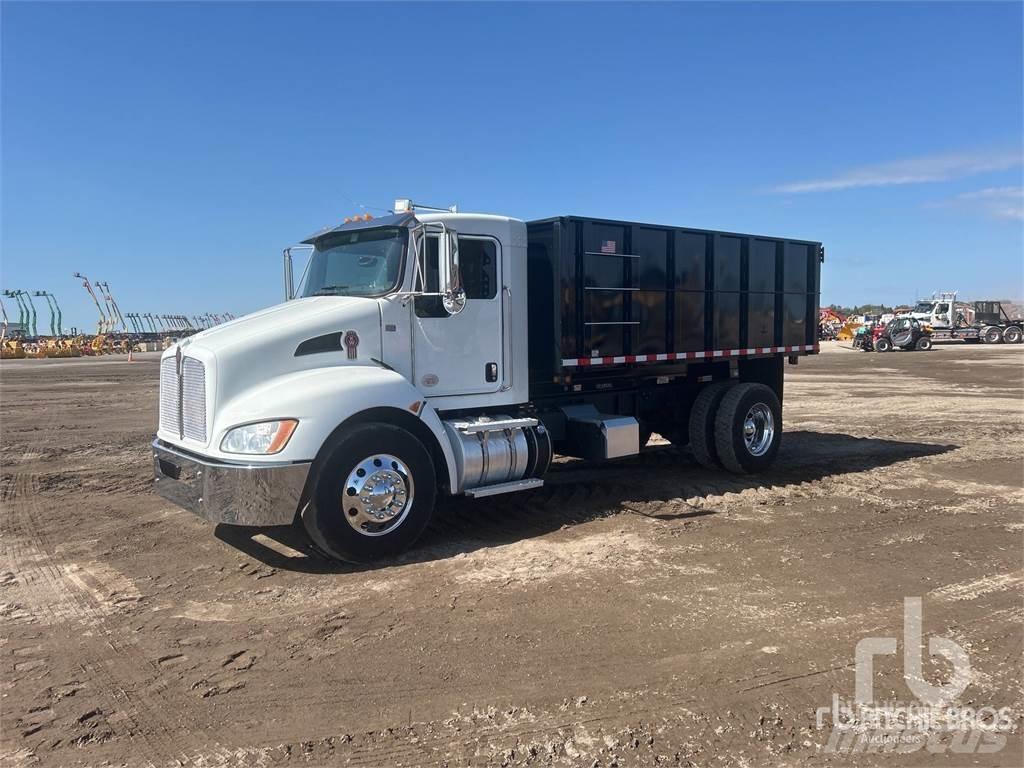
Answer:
(372, 495)
(748, 428)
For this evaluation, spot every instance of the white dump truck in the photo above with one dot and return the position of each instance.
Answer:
(430, 353)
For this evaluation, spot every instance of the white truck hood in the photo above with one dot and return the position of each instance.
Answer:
(246, 352)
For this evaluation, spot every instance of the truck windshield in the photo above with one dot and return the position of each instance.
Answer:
(923, 307)
(367, 262)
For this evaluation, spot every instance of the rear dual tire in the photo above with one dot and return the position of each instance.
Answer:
(736, 426)
(992, 334)
(702, 423)
(748, 428)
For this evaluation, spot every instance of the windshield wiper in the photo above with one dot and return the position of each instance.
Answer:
(327, 290)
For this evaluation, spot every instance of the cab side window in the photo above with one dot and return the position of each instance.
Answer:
(478, 263)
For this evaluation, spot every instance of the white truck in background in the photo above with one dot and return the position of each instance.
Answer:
(990, 322)
(432, 352)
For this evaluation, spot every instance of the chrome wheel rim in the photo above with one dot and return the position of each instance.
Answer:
(758, 429)
(378, 494)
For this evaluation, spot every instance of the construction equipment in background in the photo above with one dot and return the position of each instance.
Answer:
(849, 329)
(829, 324)
(102, 324)
(903, 333)
(55, 314)
(21, 310)
(115, 311)
(26, 312)
(991, 323)
(12, 349)
(32, 309)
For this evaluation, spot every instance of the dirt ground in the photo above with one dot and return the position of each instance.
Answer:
(645, 612)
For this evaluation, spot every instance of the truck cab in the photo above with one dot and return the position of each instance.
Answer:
(938, 312)
(398, 369)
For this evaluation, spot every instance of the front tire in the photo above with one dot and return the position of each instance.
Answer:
(883, 345)
(748, 428)
(923, 344)
(373, 493)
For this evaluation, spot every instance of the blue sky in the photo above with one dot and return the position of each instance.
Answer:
(173, 150)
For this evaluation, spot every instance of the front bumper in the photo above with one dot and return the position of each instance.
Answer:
(236, 494)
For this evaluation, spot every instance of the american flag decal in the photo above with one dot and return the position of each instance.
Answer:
(607, 246)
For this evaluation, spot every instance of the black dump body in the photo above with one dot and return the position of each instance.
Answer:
(614, 299)
(991, 313)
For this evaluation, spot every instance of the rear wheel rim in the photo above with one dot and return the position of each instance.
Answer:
(377, 495)
(758, 429)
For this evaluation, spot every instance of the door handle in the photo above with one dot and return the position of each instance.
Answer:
(506, 332)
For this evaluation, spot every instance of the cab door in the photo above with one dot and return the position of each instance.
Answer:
(461, 354)
(901, 332)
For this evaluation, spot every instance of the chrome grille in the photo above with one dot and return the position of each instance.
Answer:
(183, 403)
(170, 396)
(193, 395)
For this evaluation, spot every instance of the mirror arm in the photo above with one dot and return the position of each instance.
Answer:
(289, 275)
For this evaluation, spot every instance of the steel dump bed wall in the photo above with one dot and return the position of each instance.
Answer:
(615, 293)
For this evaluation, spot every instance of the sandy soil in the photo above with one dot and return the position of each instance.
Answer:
(642, 613)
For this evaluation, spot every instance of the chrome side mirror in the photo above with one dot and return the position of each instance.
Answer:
(453, 295)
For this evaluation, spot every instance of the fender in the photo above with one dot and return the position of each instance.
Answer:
(321, 399)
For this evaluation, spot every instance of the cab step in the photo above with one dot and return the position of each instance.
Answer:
(515, 485)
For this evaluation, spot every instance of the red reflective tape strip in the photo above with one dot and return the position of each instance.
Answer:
(699, 355)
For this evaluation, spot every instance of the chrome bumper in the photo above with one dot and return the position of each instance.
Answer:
(236, 494)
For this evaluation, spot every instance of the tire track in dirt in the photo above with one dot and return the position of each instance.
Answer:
(105, 657)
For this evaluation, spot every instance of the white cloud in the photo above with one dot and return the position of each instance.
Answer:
(998, 202)
(917, 170)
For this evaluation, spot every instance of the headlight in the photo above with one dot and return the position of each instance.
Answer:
(265, 437)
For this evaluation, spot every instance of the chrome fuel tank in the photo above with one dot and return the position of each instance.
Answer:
(497, 449)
